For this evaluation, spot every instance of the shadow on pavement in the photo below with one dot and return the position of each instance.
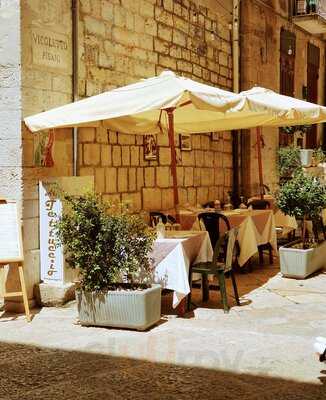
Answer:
(28, 372)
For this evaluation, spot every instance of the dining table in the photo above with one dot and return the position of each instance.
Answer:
(283, 221)
(256, 227)
(172, 256)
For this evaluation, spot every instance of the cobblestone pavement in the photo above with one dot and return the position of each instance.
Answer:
(261, 350)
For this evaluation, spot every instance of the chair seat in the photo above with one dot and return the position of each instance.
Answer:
(206, 267)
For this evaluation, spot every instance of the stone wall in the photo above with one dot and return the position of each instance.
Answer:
(121, 173)
(260, 54)
(122, 41)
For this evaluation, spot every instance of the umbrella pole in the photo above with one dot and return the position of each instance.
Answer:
(173, 161)
(260, 164)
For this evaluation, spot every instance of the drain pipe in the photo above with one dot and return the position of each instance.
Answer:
(75, 18)
(235, 45)
(236, 89)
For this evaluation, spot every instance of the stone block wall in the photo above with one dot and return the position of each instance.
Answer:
(121, 173)
(123, 41)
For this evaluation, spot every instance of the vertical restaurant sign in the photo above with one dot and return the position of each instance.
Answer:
(52, 258)
(50, 49)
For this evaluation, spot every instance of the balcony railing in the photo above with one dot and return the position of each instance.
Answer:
(310, 15)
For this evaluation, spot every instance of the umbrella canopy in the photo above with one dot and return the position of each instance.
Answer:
(284, 110)
(169, 103)
(137, 109)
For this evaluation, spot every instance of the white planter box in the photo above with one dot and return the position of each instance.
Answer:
(296, 263)
(306, 157)
(134, 309)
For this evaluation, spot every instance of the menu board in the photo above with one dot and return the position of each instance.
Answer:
(10, 234)
(52, 259)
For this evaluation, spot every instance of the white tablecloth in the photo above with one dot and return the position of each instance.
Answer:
(286, 222)
(172, 257)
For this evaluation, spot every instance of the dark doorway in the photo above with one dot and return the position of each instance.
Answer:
(287, 64)
(312, 89)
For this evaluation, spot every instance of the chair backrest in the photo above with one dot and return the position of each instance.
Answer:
(212, 221)
(259, 204)
(230, 237)
(209, 204)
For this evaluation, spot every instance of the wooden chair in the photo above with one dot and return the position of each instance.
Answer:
(221, 270)
(262, 205)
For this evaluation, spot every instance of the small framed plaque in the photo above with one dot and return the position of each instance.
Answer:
(150, 148)
(215, 136)
(185, 142)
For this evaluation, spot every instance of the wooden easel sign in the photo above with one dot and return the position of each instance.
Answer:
(11, 247)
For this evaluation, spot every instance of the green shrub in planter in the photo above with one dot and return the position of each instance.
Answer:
(319, 156)
(111, 250)
(288, 161)
(303, 197)
(107, 245)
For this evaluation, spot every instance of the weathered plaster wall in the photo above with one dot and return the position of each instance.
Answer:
(10, 101)
(260, 65)
(45, 84)
(10, 107)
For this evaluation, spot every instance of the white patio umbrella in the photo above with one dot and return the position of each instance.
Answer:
(169, 104)
(284, 111)
(164, 104)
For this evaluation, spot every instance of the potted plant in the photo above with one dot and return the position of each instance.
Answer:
(305, 154)
(288, 161)
(110, 248)
(306, 157)
(319, 156)
(303, 197)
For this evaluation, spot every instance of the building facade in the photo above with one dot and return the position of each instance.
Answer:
(55, 52)
(283, 49)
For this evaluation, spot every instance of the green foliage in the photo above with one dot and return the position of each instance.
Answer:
(288, 160)
(302, 196)
(319, 155)
(107, 245)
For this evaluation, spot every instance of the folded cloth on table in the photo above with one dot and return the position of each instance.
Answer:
(320, 348)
